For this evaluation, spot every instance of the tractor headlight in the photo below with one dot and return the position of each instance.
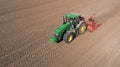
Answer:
(57, 36)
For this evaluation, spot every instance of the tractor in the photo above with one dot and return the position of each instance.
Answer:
(73, 25)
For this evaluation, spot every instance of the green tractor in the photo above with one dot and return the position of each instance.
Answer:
(73, 25)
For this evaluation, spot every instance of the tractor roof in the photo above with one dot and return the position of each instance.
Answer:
(71, 15)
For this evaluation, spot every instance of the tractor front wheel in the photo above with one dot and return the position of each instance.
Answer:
(68, 37)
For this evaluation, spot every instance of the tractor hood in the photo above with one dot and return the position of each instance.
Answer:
(58, 33)
(62, 28)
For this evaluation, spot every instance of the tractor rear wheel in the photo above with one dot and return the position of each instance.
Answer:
(82, 28)
(68, 37)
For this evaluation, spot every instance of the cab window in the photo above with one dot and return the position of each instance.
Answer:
(76, 20)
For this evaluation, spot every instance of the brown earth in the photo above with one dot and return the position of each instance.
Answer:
(26, 25)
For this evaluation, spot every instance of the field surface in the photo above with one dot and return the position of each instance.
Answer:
(26, 26)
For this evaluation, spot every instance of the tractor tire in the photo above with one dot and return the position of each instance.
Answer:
(82, 28)
(68, 37)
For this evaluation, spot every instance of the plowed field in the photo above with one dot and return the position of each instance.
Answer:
(26, 26)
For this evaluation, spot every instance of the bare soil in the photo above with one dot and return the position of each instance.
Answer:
(26, 26)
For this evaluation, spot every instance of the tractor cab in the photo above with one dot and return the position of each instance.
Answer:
(72, 18)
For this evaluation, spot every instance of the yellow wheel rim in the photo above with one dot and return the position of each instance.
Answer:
(70, 38)
(83, 29)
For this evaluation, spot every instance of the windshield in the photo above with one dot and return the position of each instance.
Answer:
(65, 19)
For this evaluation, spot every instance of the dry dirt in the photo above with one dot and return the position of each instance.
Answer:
(26, 25)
